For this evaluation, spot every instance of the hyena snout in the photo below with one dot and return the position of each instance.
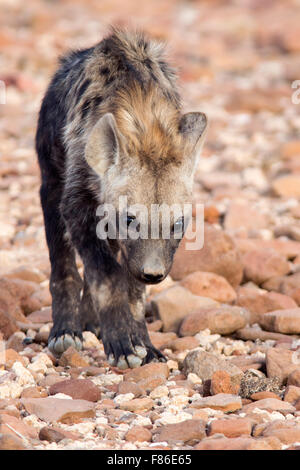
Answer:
(153, 272)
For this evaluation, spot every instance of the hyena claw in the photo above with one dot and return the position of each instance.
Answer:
(58, 345)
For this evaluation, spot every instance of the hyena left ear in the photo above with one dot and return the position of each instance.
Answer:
(102, 148)
(193, 126)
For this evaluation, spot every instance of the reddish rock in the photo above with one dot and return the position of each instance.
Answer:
(294, 378)
(189, 431)
(173, 304)
(222, 401)
(262, 265)
(138, 434)
(34, 392)
(238, 443)
(211, 285)
(292, 394)
(7, 422)
(204, 364)
(222, 382)
(223, 320)
(137, 405)
(10, 357)
(270, 404)
(27, 273)
(10, 442)
(59, 409)
(262, 395)
(282, 321)
(41, 316)
(148, 370)
(233, 427)
(162, 340)
(72, 358)
(8, 324)
(244, 215)
(287, 432)
(281, 363)
(55, 434)
(259, 302)
(218, 255)
(130, 387)
(254, 333)
(287, 186)
(183, 344)
(150, 383)
(82, 389)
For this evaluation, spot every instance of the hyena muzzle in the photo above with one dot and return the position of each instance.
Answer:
(111, 125)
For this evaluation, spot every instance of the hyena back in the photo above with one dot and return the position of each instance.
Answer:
(110, 125)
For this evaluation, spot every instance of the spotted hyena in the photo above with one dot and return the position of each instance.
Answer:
(111, 125)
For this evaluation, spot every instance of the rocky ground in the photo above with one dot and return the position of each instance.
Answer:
(228, 316)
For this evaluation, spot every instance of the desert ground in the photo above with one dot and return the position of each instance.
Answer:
(227, 317)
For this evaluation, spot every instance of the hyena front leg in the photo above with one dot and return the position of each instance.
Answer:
(137, 299)
(107, 282)
(65, 282)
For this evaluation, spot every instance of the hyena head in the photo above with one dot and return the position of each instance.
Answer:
(145, 154)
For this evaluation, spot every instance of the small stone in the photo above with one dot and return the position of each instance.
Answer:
(130, 387)
(237, 443)
(270, 404)
(234, 427)
(292, 394)
(82, 389)
(138, 434)
(223, 320)
(209, 285)
(54, 434)
(183, 344)
(294, 378)
(9, 424)
(252, 383)
(262, 395)
(221, 382)
(72, 358)
(282, 321)
(90, 340)
(287, 186)
(222, 401)
(204, 364)
(9, 442)
(262, 265)
(219, 255)
(34, 392)
(281, 363)
(162, 340)
(150, 383)
(189, 431)
(59, 410)
(137, 405)
(10, 356)
(148, 370)
(173, 304)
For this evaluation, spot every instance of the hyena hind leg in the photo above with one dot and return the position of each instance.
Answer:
(65, 281)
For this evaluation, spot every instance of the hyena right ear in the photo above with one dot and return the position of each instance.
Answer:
(102, 148)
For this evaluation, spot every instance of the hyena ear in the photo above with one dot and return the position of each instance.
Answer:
(193, 128)
(102, 148)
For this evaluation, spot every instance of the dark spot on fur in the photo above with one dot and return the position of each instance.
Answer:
(85, 108)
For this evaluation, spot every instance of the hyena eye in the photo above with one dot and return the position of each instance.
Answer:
(178, 226)
(129, 219)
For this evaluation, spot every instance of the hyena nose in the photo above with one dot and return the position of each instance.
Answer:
(152, 278)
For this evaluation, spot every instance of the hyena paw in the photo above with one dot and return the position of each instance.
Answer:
(61, 339)
(122, 342)
(128, 343)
